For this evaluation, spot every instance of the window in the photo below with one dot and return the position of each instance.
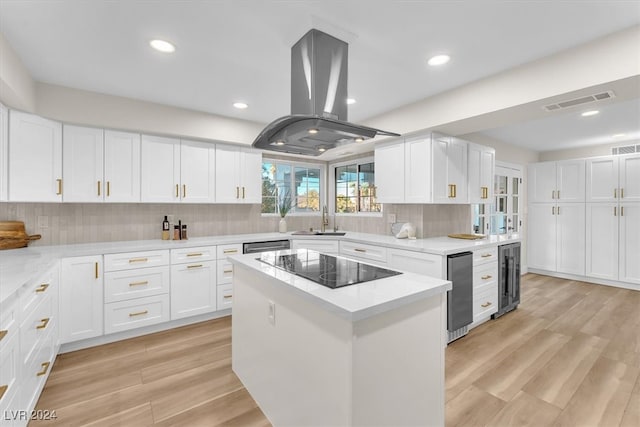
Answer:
(301, 183)
(355, 189)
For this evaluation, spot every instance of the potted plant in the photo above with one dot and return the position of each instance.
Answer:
(284, 206)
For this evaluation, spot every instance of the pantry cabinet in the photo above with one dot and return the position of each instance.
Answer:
(629, 178)
(4, 152)
(614, 178)
(481, 170)
(562, 181)
(35, 158)
(81, 289)
(629, 228)
(602, 240)
(238, 175)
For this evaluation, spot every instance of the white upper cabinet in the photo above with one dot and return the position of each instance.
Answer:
(630, 178)
(83, 164)
(4, 152)
(197, 171)
(35, 159)
(602, 179)
(390, 181)
(160, 170)
(417, 173)
(121, 167)
(481, 170)
(238, 175)
(449, 166)
(562, 181)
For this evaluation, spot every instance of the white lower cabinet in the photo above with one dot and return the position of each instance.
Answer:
(629, 269)
(81, 291)
(330, 247)
(416, 262)
(485, 284)
(365, 252)
(193, 289)
(602, 240)
(225, 296)
(135, 313)
(224, 273)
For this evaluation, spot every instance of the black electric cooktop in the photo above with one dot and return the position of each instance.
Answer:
(327, 270)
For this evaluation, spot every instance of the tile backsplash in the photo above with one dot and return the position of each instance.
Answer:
(68, 223)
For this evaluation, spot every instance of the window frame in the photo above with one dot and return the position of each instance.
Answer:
(332, 188)
(293, 163)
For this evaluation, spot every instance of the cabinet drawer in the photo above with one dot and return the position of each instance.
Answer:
(202, 253)
(37, 290)
(416, 262)
(485, 273)
(125, 315)
(225, 296)
(142, 282)
(368, 252)
(9, 369)
(327, 247)
(485, 302)
(481, 256)
(36, 372)
(35, 327)
(9, 321)
(224, 272)
(131, 260)
(224, 251)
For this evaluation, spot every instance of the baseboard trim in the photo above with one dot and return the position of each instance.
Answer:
(587, 279)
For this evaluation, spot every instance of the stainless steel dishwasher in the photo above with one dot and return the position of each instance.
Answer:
(273, 245)
(460, 297)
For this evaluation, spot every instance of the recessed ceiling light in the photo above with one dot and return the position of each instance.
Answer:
(313, 131)
(590, 113)
(619, 135)
(278, 142)
(438, 60)
(240, 105)
(351, 101)
(162, 46)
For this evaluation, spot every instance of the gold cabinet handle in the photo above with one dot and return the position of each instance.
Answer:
(622, 193)
(44, 323)
(3, 390)
(96, 270)
(615, 193)
(486, 304)
(488, 276)
(558, 210)
(485, 192)
(99, 188)
(359, 250)
(227, 296)
(230, 251)
(45, 368)
(42, 288)
(59, 192)
(144, 282)
(177, 190)
(615, 211)
(450, 191)
(3, 334)
(553, 210)
(455, 191)
(558, 195)
(195, 254)
(621, 210)
(553, 194)
(485, 255)
(184, 190)
(132, 260)
(108, 188)
(243, 192)
(194, 266)
(227, 271)
(139, 313)
(237, 192)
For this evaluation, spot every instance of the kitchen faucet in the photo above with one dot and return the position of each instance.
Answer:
(325, 219)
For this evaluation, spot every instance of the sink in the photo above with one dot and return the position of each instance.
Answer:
(318, 233)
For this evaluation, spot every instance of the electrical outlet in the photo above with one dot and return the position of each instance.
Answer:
(391, 218)
(272, 313)
(43, 222)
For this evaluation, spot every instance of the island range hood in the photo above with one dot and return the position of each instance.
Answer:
(318, 120)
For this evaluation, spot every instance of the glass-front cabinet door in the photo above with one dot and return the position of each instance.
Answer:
(502, 216)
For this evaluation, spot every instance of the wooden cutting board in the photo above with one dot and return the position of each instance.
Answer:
(13, 235)
(467, 236)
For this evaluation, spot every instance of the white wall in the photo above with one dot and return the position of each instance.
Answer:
(578, 153)
(17, 88)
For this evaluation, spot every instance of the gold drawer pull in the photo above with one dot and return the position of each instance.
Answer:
(139, 313)
(486, 304)
(194, 266)
(42, 287)
(59, 192)
(488, 276)
(227, 271)
(621, 210)
(45, 368)
(243, 192)
(485, 255)
(195, 254)
(132, 260)
(177, 190)
(99, 185)
(3, 390)
(615, 193)
(3, 334)
(237, 192)
(230, 251)
(359, 250)
(622, 193)
(96, 270)
(43, 324)
(108, 188)
(227, 296)
(145, 282)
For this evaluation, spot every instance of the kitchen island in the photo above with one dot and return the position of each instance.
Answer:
(370, 353)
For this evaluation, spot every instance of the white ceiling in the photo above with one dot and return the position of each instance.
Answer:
(240, 50)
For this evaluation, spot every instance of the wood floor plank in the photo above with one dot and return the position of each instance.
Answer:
(603, 396)
(631, 416)
(558, 379)
(525, 410)
(616, 313)
(472, 407)
(136, 416)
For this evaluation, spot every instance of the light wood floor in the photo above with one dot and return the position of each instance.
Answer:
(568, 356)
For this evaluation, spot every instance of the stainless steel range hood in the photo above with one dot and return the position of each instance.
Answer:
(318, 120)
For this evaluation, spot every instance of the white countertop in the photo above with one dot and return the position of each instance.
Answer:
(354, 302)
(21, 266)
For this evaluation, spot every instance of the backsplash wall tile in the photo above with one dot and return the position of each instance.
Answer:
(70, 223)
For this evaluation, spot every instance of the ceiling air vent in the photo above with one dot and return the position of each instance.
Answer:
(627, 149)
(580, 101)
